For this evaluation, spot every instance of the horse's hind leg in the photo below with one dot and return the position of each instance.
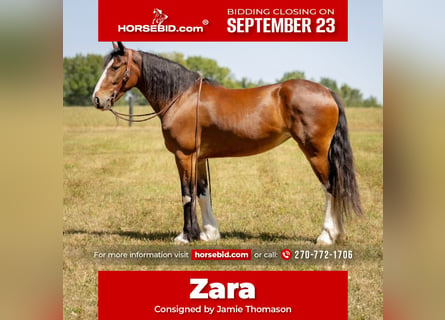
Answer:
(315, 146)
(315, 118)
(332, 230)
(210, 227)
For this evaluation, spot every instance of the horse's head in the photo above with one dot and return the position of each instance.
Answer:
(120, 75)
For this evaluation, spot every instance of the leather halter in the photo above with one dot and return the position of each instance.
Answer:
(127, 74)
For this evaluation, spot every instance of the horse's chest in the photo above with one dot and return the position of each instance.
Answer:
(179, 134)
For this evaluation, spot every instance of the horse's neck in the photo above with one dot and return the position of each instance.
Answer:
(161, 90)
(154, 103)
(144, 88)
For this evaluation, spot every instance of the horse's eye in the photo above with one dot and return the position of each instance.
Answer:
(115, 68)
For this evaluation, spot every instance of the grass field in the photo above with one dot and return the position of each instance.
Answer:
(121, 189)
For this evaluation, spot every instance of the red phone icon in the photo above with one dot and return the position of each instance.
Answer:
(286, 254)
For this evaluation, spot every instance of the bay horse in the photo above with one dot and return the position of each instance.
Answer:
(201, 119)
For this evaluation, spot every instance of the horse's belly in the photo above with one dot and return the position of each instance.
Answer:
(231, 145)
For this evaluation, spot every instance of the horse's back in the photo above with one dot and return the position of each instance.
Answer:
(287, 100)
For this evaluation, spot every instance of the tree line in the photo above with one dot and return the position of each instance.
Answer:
(80, 74)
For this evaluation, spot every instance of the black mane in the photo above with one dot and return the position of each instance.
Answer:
(162, 79)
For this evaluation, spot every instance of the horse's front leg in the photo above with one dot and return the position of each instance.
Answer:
(186, 168)
(210, 227)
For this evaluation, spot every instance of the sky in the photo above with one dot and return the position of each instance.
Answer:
(358, 62)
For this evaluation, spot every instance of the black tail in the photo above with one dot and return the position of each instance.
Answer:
(342, 181)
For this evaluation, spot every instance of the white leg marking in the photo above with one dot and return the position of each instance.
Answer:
(186, 199)
(102, 78)
(210, 232)
(330, 229)
(180, 239)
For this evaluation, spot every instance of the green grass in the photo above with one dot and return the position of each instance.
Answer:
(121, 188)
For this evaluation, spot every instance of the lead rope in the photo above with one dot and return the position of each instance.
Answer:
(210, 182)
(148, 116)
(197, 145)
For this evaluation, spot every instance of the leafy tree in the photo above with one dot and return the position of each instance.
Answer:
(351, 97)
(292, 75)
(371, 102)
(80, 75)
(329, 83)
(210, 69)
(246, 83)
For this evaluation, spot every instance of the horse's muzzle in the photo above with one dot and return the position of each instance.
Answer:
(103, 105)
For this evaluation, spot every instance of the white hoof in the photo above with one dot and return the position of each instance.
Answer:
(180, 239)
(325, 239)
(210, 233)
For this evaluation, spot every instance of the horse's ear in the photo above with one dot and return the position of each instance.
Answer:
(114, 45)
(121, 46)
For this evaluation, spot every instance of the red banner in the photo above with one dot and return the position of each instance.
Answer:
(229, 20)
(223, 295)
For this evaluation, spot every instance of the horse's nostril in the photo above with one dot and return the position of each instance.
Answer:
(97, 103)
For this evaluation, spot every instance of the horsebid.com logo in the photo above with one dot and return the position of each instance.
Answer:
(159, 17)
(157, 25)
